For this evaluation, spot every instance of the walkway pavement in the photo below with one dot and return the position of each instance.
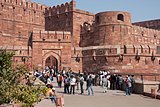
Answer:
(112, 98)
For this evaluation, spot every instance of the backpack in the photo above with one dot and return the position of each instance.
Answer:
(60, 78)
(66, 81)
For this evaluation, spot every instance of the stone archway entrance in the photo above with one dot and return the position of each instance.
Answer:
(52, 62)
(52, 59)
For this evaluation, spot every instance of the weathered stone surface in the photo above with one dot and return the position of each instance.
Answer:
(77, 39)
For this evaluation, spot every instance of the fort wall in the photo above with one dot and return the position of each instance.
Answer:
(153, 24)
(59, 17)
(78, 39)
(56, 43)
(66, 17)
(20, 17)
(113, 43)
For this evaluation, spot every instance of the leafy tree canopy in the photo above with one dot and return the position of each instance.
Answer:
(12, 87)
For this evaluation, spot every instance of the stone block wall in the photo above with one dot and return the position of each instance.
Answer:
(78, 39)
(20, 17)
(52, 43)
(153, 24)
(113, 43)
(59, 17)
(80, 17)
(66, 17)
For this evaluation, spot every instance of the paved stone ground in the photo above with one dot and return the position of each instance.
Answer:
(112, 98)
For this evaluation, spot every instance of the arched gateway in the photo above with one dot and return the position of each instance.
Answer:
(51, 59)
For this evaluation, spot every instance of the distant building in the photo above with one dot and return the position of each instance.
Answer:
(68, 38)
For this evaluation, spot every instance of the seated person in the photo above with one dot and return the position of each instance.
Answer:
(52, 95)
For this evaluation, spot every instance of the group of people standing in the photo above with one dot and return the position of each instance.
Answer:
(72, 80)
(78, 81)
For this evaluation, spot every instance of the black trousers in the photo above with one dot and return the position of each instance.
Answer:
(72, 88)
(66, 88)
(81, 85)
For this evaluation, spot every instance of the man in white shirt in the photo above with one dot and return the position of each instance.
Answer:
(72, 83)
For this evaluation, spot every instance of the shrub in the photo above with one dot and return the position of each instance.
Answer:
(11, 88)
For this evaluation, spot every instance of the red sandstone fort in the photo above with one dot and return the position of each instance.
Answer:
(69, 38)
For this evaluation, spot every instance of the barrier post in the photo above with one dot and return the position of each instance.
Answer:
(59, 101)
(154, 92)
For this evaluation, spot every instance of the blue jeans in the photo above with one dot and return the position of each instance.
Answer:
(90, 88)
(128, 90)
(53, 99)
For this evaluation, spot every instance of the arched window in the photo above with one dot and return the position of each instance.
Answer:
(97, 19)
(120, 17)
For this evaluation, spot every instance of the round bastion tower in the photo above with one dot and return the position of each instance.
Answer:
(112, 27)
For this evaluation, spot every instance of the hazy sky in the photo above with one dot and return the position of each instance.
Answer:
(141, 10)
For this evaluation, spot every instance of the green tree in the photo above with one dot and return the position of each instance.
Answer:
(11, 87)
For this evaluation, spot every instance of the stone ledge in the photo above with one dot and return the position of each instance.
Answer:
(151, 95)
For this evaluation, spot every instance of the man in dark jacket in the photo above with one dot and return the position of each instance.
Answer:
(90, 85)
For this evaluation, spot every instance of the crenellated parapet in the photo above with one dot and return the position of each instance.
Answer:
(153, 24)
(21, 16)
(60, 9)
(23, 3)
(137, 30)
(142, 35)
(115, 28)
(51, 36)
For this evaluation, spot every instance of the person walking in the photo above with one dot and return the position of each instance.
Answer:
(128, 85)
(60, 79)
(90, 85)
(77, 81)
(81, 83)
(104, 83)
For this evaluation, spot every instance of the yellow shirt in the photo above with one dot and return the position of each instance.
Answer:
(50, 92)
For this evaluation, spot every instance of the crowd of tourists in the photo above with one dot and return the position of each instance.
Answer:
(75, 81)
(72, 81)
